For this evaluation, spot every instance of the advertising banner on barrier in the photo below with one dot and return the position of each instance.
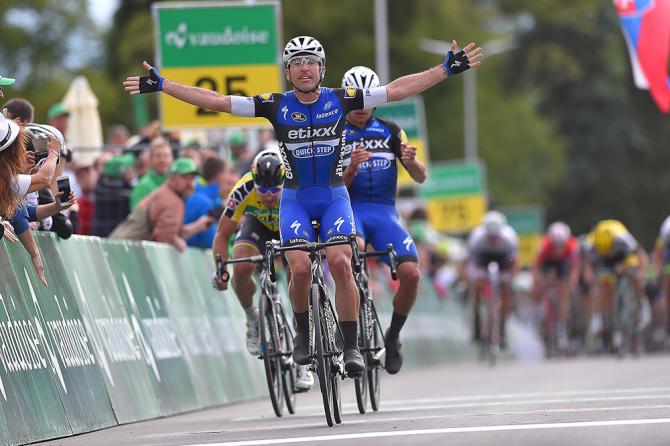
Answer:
(143, 300)
(122, 353)
(29, 371)
(230, 48)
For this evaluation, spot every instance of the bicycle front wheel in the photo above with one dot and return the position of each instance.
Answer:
(320, 349)
(272, 358)
(289, 368)
(361, 383)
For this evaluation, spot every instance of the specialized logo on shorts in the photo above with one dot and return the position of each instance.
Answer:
(295, 226)
(309, 151)
(349, 92)
(338, 223)
(298, 117)
(284, 110)
(266, 97)
(407, 242)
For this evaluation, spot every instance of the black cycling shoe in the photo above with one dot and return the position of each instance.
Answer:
(301, 349)
(354, 365)
(393, 356)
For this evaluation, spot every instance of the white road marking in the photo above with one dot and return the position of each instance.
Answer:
(500, 396)
(373, 417)
(423, 406)
(450, 430)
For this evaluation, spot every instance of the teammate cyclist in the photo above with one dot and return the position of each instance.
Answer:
(493, 241)
(372, 151)
(309, 126)
(556, 265)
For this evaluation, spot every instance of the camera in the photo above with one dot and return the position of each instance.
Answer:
(64, 187)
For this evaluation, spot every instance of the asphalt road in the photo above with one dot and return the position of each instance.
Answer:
(603, 401)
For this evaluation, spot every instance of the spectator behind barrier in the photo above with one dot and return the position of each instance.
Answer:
(112, 194)
(58, 116)
(160, 161)
(159, 216)
(240, 154)
(206, 201)
(87, 176)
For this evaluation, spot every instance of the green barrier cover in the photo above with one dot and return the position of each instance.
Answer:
(144, 301)
(84, 394)
(122, 352)
(127, 331)
(31, 374)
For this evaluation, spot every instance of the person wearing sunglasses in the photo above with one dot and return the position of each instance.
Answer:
(309, 123)
(252, 210)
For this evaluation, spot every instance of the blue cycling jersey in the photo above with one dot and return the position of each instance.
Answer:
(310, 136)
(377, 178)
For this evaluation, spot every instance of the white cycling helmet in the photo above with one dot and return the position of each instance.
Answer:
(559, 233)
(44, 131)
(303, 46)
(360, 77)
(493, 222)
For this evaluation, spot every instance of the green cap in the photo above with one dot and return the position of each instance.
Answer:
(6, 81)
(183, 166)
(56, 110)
(237, 139)
(117, 165)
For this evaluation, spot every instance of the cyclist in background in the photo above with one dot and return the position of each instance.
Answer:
(661, 257)
(309, 126)
(557, 265)
(493, 241)
(373, 149)
(613, 251)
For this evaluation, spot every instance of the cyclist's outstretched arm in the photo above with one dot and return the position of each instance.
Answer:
(455, 63)
(200, 97)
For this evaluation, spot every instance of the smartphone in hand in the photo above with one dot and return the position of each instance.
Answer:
(64, 187)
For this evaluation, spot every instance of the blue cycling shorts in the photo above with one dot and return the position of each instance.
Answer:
(330, 207)
(379, 224)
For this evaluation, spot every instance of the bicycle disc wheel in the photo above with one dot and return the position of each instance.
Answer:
(322, 362)
(289, 368)
(361, 383)
(271, 359)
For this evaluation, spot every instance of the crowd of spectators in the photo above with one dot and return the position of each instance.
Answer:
(148, 186)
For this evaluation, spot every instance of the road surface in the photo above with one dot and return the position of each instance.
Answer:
(601, 401)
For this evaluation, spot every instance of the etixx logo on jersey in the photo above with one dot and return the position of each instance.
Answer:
(298, 117)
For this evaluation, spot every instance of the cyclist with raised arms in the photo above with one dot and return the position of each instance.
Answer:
(372, 151)
(309, 126)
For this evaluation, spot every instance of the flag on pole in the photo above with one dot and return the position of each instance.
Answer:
(646, 28)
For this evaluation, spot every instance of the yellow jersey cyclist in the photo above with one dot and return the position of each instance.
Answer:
(612, 251)
(252, 211)
(309, 123)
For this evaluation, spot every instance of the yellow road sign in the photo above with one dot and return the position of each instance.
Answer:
(456, 214)
(242, 80)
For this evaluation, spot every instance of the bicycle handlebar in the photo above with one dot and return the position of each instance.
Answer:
(310, 247)
(221, 272)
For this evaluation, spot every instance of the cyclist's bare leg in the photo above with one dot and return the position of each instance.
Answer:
(408, 275)
(301, 280)
(346, 296)
(243, 281)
